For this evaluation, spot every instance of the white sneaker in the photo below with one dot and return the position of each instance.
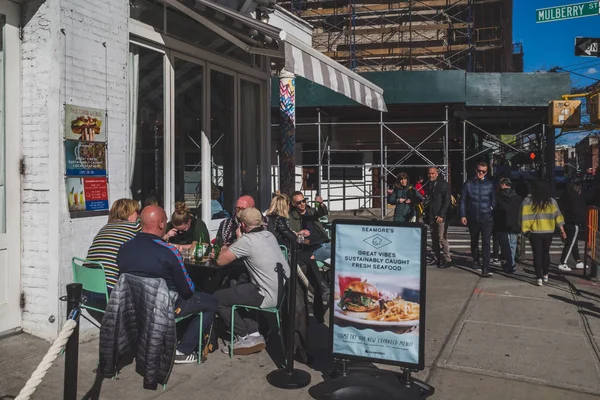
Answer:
(545, 278)
(579, 265)
(539, 282)
(564, 267)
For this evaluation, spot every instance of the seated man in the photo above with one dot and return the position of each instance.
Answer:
(259, 250)
(227, 233)
(148, 255)
(305, 219)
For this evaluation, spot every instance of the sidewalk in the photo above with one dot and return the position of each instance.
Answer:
(498, 338)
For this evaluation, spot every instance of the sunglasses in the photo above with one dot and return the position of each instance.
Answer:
(301, 202)
(481, 171)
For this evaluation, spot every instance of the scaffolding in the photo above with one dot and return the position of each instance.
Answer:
(395, 152)
(386, 35)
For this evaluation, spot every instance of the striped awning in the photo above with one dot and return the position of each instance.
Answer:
(296, 56)
(309, 63)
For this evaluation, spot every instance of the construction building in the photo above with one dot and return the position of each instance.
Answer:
(389, 35)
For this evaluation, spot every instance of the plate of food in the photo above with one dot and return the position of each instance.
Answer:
(363, 303)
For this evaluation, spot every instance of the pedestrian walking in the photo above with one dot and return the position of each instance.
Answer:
(573, 207)
(540, 215)
(506, 223)
(405, 198)
(437, 204)
(476, 204)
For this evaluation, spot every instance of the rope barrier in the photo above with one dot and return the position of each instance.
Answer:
(44, 366)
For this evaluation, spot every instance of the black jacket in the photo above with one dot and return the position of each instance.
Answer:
(149, 256)
(478, 200)
(279, 227)
(439, 199)
(404, 212)
(573, 208)
(506, 213)
(139, 318)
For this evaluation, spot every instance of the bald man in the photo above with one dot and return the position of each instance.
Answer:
(228, 228)
(149, 256)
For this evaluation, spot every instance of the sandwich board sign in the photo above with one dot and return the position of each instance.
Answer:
(378, 308)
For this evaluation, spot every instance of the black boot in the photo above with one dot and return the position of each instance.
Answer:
(325, 292)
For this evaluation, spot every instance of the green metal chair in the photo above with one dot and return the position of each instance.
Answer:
(285, 251)
(91, 275)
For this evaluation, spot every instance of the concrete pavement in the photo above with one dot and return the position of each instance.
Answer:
(498, 338)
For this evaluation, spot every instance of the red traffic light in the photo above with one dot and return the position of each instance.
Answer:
(532, 155)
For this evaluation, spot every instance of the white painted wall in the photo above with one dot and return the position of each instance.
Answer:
(50, 238)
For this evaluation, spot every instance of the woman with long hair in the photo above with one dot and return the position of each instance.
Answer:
(185, 230)
(539, 217)
(277, 217)
(405, 198)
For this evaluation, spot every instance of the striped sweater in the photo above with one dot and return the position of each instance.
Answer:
(540, 221)
(106, 245)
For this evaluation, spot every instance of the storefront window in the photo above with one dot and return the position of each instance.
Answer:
(146, 130)
(222, 118)
(250, 137)
(189, 91)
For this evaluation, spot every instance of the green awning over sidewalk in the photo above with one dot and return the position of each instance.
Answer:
(443, 87)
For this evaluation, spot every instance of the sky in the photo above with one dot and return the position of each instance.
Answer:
(552, 44)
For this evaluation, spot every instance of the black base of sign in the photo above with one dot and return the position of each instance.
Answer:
(371, 383)
(282, 379)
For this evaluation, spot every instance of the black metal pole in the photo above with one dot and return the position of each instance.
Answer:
(72, 347)
(289, 378)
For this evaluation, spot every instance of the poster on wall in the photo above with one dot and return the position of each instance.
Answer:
(85, 158)
(85, 124)
(87, 195)
(378, 312)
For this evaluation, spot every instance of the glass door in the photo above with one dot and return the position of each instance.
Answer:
(188, 129)
(10, 190)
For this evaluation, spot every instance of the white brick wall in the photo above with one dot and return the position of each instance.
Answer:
(50, 238)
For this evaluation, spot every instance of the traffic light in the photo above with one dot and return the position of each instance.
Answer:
(532, 156)
(565, 113)
(593, 107)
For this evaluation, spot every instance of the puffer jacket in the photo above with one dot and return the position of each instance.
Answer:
(139, 318)
(279, 227)
(478, 200)
(404, 212)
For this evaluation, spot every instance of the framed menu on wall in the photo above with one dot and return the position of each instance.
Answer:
(86, 173)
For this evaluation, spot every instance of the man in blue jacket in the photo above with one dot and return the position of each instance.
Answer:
(476, 205)
(148, 255)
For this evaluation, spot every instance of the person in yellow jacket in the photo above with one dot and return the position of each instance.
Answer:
(539, 217)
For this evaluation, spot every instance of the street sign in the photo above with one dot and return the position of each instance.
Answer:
(570, 11)
(587, 47)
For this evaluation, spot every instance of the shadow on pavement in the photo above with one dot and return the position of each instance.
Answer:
(583, 304)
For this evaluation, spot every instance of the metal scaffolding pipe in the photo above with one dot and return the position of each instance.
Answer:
(381, 156)
(320, 169)
(328, 176)
(464, 168)
(446, 145)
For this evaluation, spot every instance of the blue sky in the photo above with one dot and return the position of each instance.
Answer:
(552, 44)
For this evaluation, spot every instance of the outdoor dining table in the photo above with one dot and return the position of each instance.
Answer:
(206, 274)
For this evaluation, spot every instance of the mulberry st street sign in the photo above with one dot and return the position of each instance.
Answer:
(570, 11)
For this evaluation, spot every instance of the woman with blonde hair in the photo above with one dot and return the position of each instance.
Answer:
(185, 230)
(122, 226)
(277, 217)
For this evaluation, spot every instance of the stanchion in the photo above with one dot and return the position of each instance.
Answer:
(72, 347)
(288, 377)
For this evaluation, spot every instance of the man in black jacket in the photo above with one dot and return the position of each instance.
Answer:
(436, 211)
(148, 255)
(506, 222)
(476, 204)
(574, 210)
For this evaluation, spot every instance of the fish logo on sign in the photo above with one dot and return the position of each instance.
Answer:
(377, 241)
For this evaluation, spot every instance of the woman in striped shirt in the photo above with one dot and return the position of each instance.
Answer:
(122, 226)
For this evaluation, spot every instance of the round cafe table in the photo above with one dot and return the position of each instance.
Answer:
(206, 274)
